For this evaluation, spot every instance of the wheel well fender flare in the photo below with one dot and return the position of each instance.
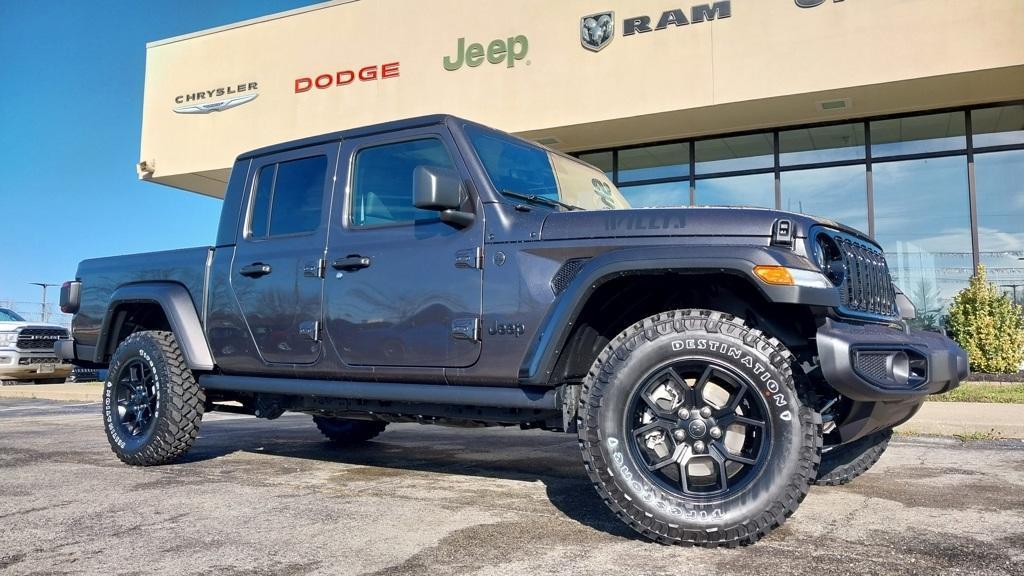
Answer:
(179, 310)
(680, 259)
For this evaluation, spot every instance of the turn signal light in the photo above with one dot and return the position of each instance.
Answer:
(774, 275)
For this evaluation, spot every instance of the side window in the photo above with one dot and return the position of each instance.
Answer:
(382, 184)
(288, 198)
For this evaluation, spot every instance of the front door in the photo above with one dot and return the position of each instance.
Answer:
(276, 274)
(402, 287)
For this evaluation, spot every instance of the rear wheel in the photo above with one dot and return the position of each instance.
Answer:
(152, 405)
(844, 463)
(692, 432)
(347, 432)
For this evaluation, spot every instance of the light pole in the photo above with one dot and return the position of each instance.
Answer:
(44, 285)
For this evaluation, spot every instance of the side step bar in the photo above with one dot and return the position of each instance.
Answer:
(529, 399)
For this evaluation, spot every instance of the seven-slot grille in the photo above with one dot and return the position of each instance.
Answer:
(40, 338)
(868, 286)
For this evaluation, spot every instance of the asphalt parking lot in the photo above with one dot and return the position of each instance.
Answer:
(258, 497)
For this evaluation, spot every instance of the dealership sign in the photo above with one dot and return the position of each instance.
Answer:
(204, 103)
(346, 77)
(597, 30)
(509, 51)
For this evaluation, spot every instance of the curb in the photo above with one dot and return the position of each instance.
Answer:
(60, 392)
(967, 418)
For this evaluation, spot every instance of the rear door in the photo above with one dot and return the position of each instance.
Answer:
(402, 288)
(276, 274)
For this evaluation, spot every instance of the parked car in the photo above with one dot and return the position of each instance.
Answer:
(26, 351)
(714, 362)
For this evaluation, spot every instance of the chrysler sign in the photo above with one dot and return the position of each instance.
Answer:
(216, 99)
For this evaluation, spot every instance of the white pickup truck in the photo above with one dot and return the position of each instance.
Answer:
(26, 351)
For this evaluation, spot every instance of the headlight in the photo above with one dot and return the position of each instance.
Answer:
(8, 338)
(828, 257)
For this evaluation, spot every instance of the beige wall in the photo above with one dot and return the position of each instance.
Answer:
(766, 65)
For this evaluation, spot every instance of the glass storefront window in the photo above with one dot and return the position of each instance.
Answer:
(922, 220)
(600, 160)
(651, 162)
(999, 180)
(918, 134)
(822, 144)
(838, 193)
(998, 126)
(657, 195)
(749, 152)
(748, 190)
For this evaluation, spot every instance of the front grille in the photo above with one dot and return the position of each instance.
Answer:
(566, 273)
(40, 338)
(867, 286)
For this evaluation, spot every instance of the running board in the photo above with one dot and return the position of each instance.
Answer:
(494, 397)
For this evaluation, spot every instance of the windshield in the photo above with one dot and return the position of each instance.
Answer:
(518, 167)
(9, 316)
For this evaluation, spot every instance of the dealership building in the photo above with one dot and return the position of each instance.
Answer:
(902, 118)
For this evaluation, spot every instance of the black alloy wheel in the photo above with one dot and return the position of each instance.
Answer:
(136, 393)
(700, 428)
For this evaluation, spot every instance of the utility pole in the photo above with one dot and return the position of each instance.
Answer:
(44, 285)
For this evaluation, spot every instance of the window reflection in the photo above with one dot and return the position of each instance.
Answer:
(998, 126)
(918, 134)
(838, 193)
(999, 178)
(822, 144)
(922, 220)
(747, 152)
(652, 195)
(600, 160)
(650, 162)
(750, 190)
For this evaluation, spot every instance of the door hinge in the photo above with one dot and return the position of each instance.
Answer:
(310, 329)
(314, 269)
(470, 258)
(466, 329)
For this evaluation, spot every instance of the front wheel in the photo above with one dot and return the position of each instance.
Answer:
(692, 432)
(152, 405)
(843, 463)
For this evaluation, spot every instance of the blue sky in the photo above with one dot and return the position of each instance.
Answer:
(71, 82)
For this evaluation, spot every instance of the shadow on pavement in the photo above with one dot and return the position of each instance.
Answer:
(510, 454)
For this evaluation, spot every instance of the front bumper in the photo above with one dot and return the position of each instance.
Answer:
(872, 363)
(35, 365)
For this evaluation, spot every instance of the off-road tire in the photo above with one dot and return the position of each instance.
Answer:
(791, 459)
(344, 432)
(843, 463)
(179, 401)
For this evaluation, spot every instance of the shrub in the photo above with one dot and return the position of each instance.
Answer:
(988, 325)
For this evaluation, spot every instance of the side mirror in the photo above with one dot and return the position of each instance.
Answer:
(441, 190)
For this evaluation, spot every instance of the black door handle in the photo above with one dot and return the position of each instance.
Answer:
(255, 270)
(354, 262)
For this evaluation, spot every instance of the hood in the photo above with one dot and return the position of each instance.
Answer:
(12, 326)
(698, 221)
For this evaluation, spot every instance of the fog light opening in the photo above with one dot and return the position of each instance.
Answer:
(898, 367)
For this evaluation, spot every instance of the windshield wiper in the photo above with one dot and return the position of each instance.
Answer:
(544, 200)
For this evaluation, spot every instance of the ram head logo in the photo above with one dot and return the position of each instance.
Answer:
(597, 30)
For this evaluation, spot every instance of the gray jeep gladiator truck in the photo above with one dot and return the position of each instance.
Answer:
(714, 362)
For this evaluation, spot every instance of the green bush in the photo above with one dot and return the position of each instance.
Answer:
(989, 326)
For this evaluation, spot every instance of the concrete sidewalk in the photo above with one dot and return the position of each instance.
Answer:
(935, 418)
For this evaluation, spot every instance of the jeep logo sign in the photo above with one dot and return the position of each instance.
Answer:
(509, 51)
